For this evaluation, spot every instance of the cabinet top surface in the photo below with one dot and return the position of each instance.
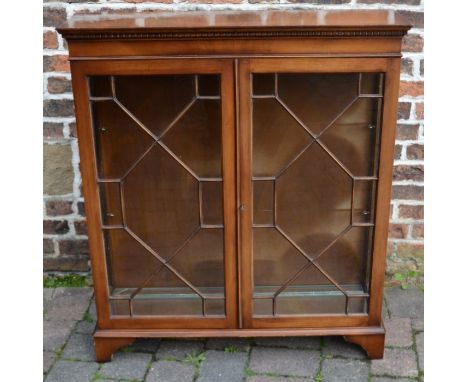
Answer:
(161, 24)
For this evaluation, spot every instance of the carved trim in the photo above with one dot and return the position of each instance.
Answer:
(238, 34)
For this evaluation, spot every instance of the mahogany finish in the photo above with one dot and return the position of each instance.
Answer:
(237, 171)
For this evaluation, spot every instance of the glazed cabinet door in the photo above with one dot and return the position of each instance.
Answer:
(314, 159)
(157, 153)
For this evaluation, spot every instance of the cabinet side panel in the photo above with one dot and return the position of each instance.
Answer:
(384, 190)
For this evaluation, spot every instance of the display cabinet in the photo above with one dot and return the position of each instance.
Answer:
(237, 171)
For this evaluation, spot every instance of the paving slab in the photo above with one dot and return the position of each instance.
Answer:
(47, 294)
(396, 363)
(385, 379)
(92, 309)
(67, 371)
(175, 349)
(236, 344)
(56, 333)
(69, 303)
(267, 378)
(290, 342)
(132, 366)
(85, 327)
(144, 345)
(337, 346)
(420, 349)
(79, 347)
(170, 371)
(349, 370)
(417, 324)
(405, 303)
(286, 362)
(221, 366)
(48, 358)
(399, 332)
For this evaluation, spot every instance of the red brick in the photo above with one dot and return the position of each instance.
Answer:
(411, 88)
(418, 231)
(409, 192)
(56, 63)
(397, 152)
(73, 247)
(404, 109)
(58, 207)
(52, 130)
(398, 231)
(415, 19)
(407, 132)
(47, 246)
(407, 172)
(55, 227)
(81, 208)
(411, 212)
(57, 85)
(49, 40)
(72, 127)
(420, 110)
(407, 2)
(52, 16)
(407, 66)
(415, 152)
(81, 227)
(412, 43)
(66, 263)
(58, 107)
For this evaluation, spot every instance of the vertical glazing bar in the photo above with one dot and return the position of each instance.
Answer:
(276, 85)
(353, 186)
(122, 203)
(359, 84)
(274, 203)
(200, 211)
(196, 86)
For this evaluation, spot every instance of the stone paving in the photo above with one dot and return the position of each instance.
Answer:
(70, 315)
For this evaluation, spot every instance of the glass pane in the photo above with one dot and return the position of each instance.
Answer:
(161, 202)
(353, 137)
(313, 200)
(195, 138)
(263, 306)
(100, 86)
(372, 83)
(120, 141)
(167, 302)
(159, 193)
(363, 208)
(263, 84)
(156, 101)
(215, 307)
(209, 85)
(211, 203)
(313, 260)
(263, 202)
(346, 260)
(311, 293)
(277, 137)
(110, 204)
(317, 99)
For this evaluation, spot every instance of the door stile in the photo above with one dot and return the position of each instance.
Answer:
(245, 206)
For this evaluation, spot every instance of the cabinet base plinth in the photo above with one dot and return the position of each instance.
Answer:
(105, 347)
(373, 344)
(107, 341)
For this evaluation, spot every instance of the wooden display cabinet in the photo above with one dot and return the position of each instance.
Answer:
(237, 170)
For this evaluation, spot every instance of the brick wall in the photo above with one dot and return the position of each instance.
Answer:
(65, 240)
